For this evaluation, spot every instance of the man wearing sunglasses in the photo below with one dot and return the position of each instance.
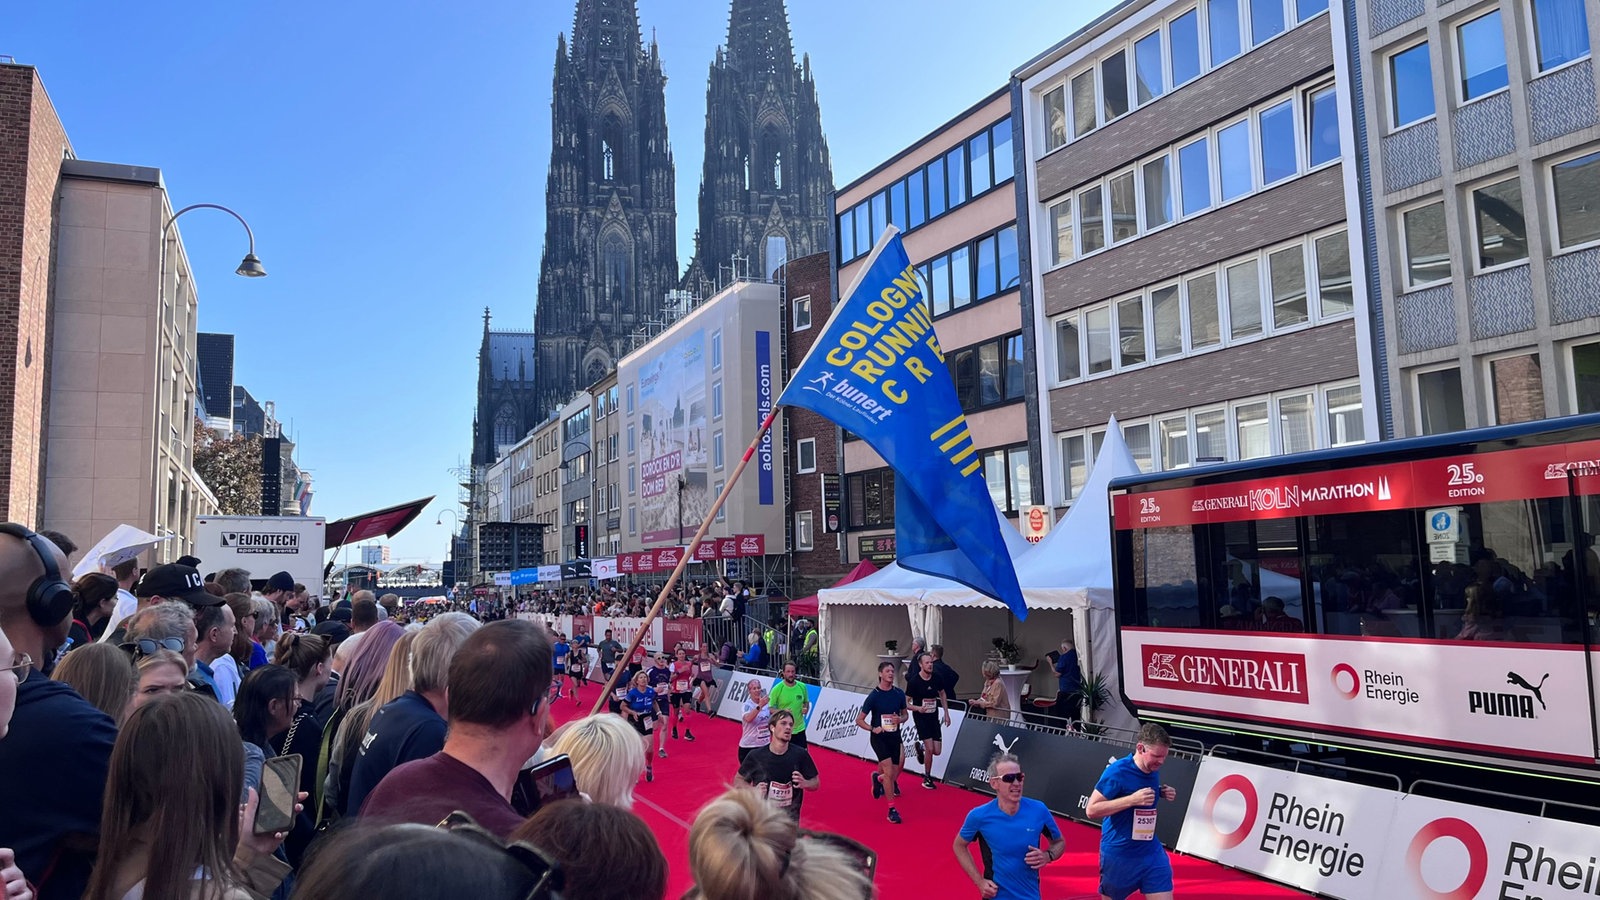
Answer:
(1132, 860)
(1007, 830)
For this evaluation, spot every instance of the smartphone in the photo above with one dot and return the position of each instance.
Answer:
(546, 782)
(280, 785)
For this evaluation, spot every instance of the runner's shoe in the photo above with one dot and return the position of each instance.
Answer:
(927, 782)
(662, 752)
(877, 786)
(674, 732)
(894, 816)
(649, 773)
(688, 735)
(897, 787)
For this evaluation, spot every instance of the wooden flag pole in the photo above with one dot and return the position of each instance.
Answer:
(683, 561)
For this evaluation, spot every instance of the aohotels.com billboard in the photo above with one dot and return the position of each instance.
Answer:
(692, 401)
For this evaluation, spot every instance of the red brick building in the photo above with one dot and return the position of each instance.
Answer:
(814, 455)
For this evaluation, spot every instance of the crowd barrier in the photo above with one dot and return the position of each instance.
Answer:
(664, 635)
(1354, 841)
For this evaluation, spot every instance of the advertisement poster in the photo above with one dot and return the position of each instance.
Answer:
(674, 451)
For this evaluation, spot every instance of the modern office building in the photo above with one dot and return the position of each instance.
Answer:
(952, 194)
(1484, 140)
(1188, 188)
(214, 357)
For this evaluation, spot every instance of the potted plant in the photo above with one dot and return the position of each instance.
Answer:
(1007, 651)
(1094, 693)
(891, 647)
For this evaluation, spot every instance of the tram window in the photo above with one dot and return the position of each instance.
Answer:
(1509, 577)
(1365, 568)
(1164, 577)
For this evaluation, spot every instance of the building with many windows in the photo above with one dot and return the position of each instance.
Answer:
(605, 533)
(1188, 189)
(952, 194)
(1484, 140)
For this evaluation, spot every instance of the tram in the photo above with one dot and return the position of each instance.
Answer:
(1433, 597)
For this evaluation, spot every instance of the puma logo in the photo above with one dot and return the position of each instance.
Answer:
(1005, 747)
(1519, 681)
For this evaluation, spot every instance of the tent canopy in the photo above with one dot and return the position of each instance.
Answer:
(807, 606)
(383, 522)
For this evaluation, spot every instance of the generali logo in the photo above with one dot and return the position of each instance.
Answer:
(749, 544)
(1257, 674)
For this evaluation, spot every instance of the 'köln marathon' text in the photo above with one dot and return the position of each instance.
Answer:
(1290, 496)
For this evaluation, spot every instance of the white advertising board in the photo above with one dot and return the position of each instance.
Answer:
(1463, 697)
(1319, 834)
(623, 630)
(1451, 851)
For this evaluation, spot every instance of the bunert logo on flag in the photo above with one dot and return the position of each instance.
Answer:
(876, 370)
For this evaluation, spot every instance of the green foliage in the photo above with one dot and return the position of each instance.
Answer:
(231, 468)
(1008, 651)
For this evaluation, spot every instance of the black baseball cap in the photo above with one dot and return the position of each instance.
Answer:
(280, 581)
(175, 582)
(336, 632)
(192, 561)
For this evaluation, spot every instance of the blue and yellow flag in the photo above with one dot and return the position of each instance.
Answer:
(877, 371)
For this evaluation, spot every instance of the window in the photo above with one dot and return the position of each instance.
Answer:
(1098, 323)
(1286, 271)
(1233, 160)
(1266, 19)
(630, 439)
(802, 313)
(987, 268)
(1174, 435)
(1440, 407)
(1006, 472)
(1114, 84)
(1345, 425)
(1124, 208)
(802, 530)
(1010, 274)
(1305, 9)
(1015, 368)
(1092, 223)
(936, 188)
(1427, 250)
(870, 497)
(897, 204)
(960, 278)
(1586, 378)
(1482, 44)
(1130, 332)
(1055, 117)
(1577, 200)
(989, 373)
(1322, 127)
(1157, 192)
(1166, 321)
(1410, 86)
(955, 167)
(1210, 435)
(1278, 144)
(940, 295)
(1252, 430)
(633, 520)
(1516, 388)
(1194, 176)
(1149, 82)
(630, 405)
(805, 455)
(1244, 299)
(1297, 423)
(979, 176)
(1061, 227)
(1223, 18)
(1205, 321)
(716, 350)
(916, 198)
(1335, 290)
(1004, 163)
(716, 400)
(1074, 465)
(1502, 232)
(716, 449)
(1069, 366)
(1083, 113)
(1184, 33)
(1560, 32)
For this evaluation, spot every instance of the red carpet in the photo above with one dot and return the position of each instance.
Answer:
(914, 860)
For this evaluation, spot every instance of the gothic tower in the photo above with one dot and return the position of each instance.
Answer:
(764, 189)
(507, 410)
(610, 244)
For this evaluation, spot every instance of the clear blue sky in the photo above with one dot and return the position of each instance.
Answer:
(391, 159)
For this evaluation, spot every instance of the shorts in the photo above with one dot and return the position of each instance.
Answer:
(682, 699)
(663, 704)
(645, 725)
(1122, 873)
(927, 726)
(886, 745)
(561, 670)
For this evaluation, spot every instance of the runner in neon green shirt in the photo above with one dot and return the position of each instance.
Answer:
(790, 694)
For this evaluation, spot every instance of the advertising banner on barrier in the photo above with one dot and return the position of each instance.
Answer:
(1480, 698)
(623, 629)
(833, 725)
(1320, 834)
(724, 677)
(1452, 851)
(1062, 769)
(625, 562)
(604, 568)
(687, 633)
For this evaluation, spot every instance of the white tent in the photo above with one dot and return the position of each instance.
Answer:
(1066, 581)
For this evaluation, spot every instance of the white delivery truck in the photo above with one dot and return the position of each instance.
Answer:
(262, 545)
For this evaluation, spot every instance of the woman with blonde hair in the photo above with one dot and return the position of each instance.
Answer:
(743, 848)
(993, 699)
(173, 829)
(607, 758)
(160, 673)
(101, 674)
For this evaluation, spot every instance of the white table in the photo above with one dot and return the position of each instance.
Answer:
(1012, 679)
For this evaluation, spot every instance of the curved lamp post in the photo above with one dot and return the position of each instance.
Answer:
(251, 266)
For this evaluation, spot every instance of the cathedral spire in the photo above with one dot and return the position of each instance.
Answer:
(606, 31)
(758, 37)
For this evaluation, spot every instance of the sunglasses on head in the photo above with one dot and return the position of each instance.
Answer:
(143, 647)
(1010, 777)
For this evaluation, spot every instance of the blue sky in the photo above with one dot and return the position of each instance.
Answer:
(391, 159)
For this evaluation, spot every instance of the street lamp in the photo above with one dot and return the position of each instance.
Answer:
(249, 268)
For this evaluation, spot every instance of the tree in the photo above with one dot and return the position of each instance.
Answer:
(231, 468)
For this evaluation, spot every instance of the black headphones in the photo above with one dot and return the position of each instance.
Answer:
(49, 598)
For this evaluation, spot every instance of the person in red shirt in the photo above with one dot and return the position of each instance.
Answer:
(682, 680)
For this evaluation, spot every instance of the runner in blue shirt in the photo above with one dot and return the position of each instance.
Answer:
(562, 651)
(1007, 830)
(1132, 860)
(639, 705)
(578, 665)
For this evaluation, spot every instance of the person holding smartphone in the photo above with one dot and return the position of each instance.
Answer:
(1008, 829)
(639, 705)
(782, 772)
(886, 706)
